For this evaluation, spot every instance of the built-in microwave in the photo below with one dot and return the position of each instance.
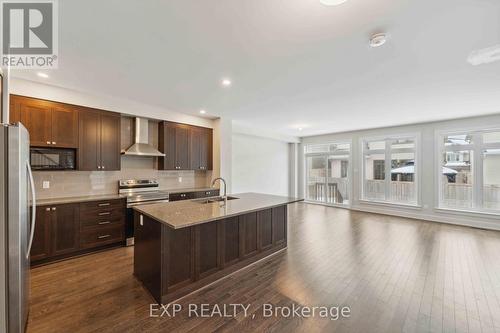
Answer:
(53, 158)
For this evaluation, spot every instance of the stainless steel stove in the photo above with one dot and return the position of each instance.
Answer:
(142, 191)
(139, 192)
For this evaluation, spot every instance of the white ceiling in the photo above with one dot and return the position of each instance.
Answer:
(293, 63)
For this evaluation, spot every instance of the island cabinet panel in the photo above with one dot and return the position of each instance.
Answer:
(171, 263)
(179, 246)
(208, 248)
(265, 222)
(148, 254)
(248, 235)
(279, 225)
(231, 235)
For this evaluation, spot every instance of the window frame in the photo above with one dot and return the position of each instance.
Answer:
(476, 147)
(388, 151)
(325, 155)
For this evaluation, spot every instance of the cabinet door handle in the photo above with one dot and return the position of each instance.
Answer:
(53, 142)
(103, 236)
(47, 209)
(102, 167)
(98, 167)
(104, 204)
(54, 208)
(105, 213)
(48, 142)
(105, 222)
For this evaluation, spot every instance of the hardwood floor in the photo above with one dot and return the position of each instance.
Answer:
(395, 274)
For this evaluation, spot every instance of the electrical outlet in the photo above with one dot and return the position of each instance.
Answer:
(180, 179)
(46, 184)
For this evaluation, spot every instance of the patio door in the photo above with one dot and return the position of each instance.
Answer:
(327, 178)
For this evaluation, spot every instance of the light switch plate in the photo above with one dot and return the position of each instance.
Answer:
(46, 184)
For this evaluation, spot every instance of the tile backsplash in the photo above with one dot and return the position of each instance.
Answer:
(80, 183)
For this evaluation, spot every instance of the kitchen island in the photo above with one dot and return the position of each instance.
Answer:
(185, 245)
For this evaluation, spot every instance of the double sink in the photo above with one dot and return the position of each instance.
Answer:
(213, 199)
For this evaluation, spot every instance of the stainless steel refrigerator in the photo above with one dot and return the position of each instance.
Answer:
(17, 223)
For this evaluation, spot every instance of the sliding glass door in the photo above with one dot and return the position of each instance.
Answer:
(327, 173)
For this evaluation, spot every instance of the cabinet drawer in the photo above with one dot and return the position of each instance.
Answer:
(102, 223)
(102, 205)
(101, 236)
(102, 214)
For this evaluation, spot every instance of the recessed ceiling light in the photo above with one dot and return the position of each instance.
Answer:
(40, 74)
(226, 82)
(203, 111)
(332, 2)
(300, 128)
(378, 40)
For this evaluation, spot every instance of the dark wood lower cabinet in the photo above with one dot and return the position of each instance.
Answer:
(41, 239)
(174, 262)
(65, 230)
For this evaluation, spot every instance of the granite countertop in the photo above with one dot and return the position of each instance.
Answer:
(186, 213)
(85, 198)
(97, 197)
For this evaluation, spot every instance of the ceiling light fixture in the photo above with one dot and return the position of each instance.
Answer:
(332, 2)
(40, 74)
(226, 82)
(203, 111)
(378, 40)
(300, 129)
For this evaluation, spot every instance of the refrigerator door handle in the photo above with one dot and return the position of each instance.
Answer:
(33, 209)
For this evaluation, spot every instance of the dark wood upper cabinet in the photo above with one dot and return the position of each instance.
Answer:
(195, 143)
(99, 140)
(64, 126)
(36, 116)
(206, 149)
(186, 147)
(182, 146)
(174, 143)
(110, 141)
(50, 124)
(89, 153)
(65, 229)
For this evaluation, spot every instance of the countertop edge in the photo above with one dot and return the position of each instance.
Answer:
(138, 209)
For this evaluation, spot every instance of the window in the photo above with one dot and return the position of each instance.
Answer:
(469, 171)
(390, 170)
(327, 173)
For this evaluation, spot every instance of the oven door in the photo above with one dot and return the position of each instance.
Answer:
(129, 223)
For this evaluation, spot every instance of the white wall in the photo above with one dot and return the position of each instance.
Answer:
(260, 165)
(428, 182)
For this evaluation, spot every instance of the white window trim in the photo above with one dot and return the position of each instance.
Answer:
(417, 136)
(349, 175)
(476, 147)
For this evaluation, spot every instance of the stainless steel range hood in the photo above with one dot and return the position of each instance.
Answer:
(141, 146)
